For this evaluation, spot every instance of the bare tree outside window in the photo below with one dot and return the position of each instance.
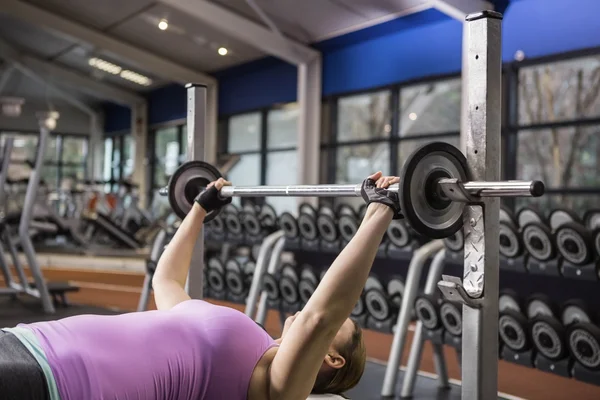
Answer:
(364, 117)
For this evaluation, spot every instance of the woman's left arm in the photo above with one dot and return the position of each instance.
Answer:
(174, 264)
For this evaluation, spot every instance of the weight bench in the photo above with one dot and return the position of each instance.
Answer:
(58, 291)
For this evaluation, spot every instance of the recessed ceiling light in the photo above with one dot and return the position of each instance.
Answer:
(163, 25)
(412, 116)
(222, 51)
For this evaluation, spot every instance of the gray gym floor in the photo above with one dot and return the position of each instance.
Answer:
(26, 310)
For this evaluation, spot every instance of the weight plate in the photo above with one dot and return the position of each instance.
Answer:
(235, 264)
(512, 327)
(217, 225)
(539, 304)
(372, 282)
(575, 243)
(508, 300)
(538, 241)
(288, 289)
(232, 223)
(583, 340)
(426, 309)
(308, 284)
(215, 263)
(591, 219)
(451, 316)
(307, 226)
(510, 240)
(347, 225)
(574, 311)
(326, 210)
(230, 209)
(596, 237)
(507, 215)
(397, 233)
(327, 228)
(187, 182)
(362, 210)
(306, 208)
(216, 280)
(235, 282)
(268, 216)
(249, 208)
(423, 203)
(270, 286)
(251, 224)
(359, 308)
(345, 209)
(561, 216)
(547, 336)
(455, 242)
(395, 290)
(527, 215)
(289, 225)
(249, 267)
(377, 304)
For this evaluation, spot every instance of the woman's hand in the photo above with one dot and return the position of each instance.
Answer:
(209, 199)
(383, 181)
(374, 190)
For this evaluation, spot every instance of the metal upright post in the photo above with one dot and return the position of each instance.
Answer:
(483, 64)
(196, 131)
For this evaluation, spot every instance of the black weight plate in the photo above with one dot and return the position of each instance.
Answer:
(251, 224)
(288, 289)
(376, 303)
(217, 225)
(308, 283)
(591, 219)
(596, 237)
(583, 340)
(268, 216)
(347, 225)
(398, 233)
(508, 300)
(289, 225)
(575, 243)
(187, 182)
(359, 308)
(512, 327)
(455, 242)
(306, 208)
(527, 215)
(574, 311)
(307, 226)
(345, 209)
(249, 208)
(511, 245)
(539, 241)
(230, 209)
(327, 228)
(539, 304)
(235, 282)
(507, 215)
(561, 216)
(425, 207)
(427, 311)
(451, 317)
(328, 211)
(270, 286)
(216, 280)
(233, 224)
(547, 335)
(215, 263)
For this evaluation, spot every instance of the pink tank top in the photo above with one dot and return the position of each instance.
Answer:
(194, 351)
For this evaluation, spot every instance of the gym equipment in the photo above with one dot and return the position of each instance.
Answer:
(511, 247)
(288, 288)
(328, 230)
(427, 309)
(513, 329)
(348, 222)
(359, 312)
(379, 305)
(561, 216)
(289, 225)
(574, 311)
(583, 339)
(539, 242)
(308, 283)
(451, 316)
(158, 246)
(233, 223)
(591, 219)
(215, 275)
(596, 236)
(506, 215)
(401, 241)
(238, 276)
(307, 225)
(575, 244)
(527, 215)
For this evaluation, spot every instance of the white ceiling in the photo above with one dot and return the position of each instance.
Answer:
(187, 41)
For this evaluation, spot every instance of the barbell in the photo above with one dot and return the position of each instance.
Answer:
(434, 187)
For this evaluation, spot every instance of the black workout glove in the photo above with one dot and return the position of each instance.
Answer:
(210, 200)
(372, 194)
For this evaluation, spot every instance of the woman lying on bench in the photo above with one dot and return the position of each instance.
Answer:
(191, 349)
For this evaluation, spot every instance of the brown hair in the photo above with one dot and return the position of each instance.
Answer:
(343, 379)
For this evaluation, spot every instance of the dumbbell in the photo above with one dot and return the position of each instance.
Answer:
(451, 317)
(288, 289)
(238, 278)
(583, 340)
(347, 222)
(539, 242)
(575, 244)
(382, 303)
(307, 227)
(401, 242)
(455, 245)
(258, 220)
(328, 229)
(511, 246)
(427, 310)
(591, 218)
(233, 224)
(547, 334)
(216, 228)
(359, 312)
(215, 277)
(513, 329)
(308, 283)
(270, 285)
(291, 231)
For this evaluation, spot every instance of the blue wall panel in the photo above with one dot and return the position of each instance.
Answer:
(167, 104)
(116, 118)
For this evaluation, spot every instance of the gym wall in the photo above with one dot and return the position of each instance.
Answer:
(71, 120)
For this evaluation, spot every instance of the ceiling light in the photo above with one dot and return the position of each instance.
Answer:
(104, 66)
(412, 116)
(135, 77)
(163, 25)
(222, 51)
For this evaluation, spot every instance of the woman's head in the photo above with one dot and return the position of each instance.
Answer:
(344, 363)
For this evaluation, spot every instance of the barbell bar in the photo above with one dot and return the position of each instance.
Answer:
(434, 188)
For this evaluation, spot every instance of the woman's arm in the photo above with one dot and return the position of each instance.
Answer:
(174, 264)
(300, 356)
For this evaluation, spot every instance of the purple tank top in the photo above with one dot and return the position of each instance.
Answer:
(194, 351)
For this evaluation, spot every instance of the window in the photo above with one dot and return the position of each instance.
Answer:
(364, 117)
(244, 133)
(166, 153)
(407, 147)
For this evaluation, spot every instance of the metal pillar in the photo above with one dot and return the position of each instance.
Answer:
(196, 134)
(481, 143)
(139, 130)
(309, 123)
